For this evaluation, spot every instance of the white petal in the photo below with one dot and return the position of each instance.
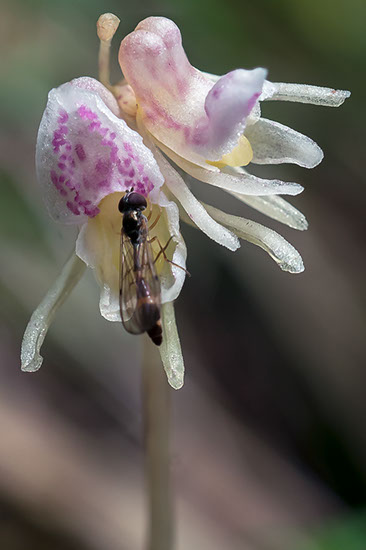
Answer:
(284, 254)
(274, 143)
(98, 245)
(171, 277)
(170, 350)
(268, 91)
(246, 184)
(191, 205)
(304, 93)
(85, 152)
(178, 104)
(255, 113)
(276, 208)
(41, 319)
(194, 208)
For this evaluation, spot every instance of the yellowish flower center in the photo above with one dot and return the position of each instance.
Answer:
(106, 227)
(241, 155)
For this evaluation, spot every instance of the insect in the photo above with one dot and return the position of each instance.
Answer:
(140, 294)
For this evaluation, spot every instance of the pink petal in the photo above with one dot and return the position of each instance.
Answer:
(179, 105)
(85, 152)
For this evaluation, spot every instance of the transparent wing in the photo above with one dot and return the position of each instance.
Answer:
(139, 284)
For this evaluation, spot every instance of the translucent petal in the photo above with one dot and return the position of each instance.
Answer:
(274, 143)
(255, 113)
(243, 183)
(39, 323)
(171, 276)
(178, 104)
(170, 349)
(276, 208)
(85, 152)
(191, 205)
(304, 93)
(284, 254)
(98, 245)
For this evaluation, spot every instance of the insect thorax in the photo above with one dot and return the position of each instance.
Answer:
(132, 224)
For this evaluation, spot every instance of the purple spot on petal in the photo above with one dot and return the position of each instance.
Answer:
(103, 167)
(73, 208)
(79, 149)
(63, 116)
(86, 113)
(54, 177)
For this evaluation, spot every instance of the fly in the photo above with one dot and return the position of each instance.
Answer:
(140, 293)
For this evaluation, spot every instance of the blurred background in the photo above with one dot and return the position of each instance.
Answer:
(269, 440)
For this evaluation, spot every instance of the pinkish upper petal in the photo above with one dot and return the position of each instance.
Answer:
(179, 105)
(85, 152)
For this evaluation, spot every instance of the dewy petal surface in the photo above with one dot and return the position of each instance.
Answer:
(276, 208)
(98, 245)
(37, 328)
(273, 206)
(85, 152)
(181, 106)
(170, 349)
(191, 205)
(238, 182)
(274, 143)
(284, 254)
(304, 93)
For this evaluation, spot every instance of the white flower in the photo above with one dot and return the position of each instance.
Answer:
(87, 158)
(95, 143)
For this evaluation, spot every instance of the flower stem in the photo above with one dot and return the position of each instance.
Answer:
(156, 409)
(107, 25)
(103, 62)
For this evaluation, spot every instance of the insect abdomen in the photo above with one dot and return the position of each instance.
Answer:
(149, 317)
(156, 333)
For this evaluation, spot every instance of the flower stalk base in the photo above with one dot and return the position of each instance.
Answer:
(156, 411)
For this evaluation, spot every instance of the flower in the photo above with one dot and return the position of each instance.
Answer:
(96, 141)
(87, 157)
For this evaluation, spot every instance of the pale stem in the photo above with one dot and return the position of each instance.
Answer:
(103, 62)
(107, 25)
(156, 411)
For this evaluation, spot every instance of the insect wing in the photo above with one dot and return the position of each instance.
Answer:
(138, 283)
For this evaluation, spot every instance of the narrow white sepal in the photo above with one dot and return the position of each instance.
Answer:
(194, 208)
(274, 143)
(304, 93)
(245, 183)
(39, 323)
(170, 350)
(284, 254)
(276, 208)
(191, 205)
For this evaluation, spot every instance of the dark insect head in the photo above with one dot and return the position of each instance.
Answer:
(132, 201)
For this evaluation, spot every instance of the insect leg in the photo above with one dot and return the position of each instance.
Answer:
(162, 251)
(155, 221)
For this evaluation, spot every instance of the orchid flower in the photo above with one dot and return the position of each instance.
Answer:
(96, 141)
